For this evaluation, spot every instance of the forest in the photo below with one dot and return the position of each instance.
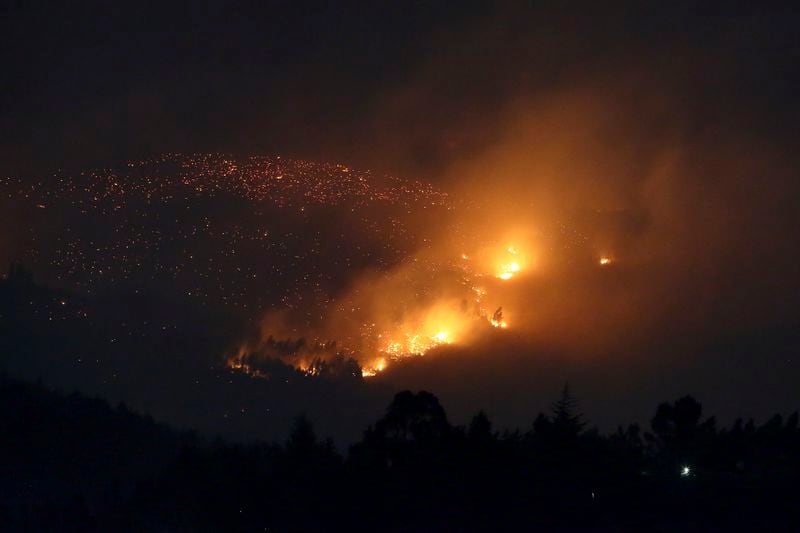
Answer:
(73, 463)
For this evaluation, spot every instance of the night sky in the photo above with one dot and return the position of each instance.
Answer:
(223, 203)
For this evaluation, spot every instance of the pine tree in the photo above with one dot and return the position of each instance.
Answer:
(565, 418)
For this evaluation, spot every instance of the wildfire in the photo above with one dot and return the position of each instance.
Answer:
(605, 260)
(502, 324)
(509, 264)
(415, 344)
(237, 363)
(308, 369)
(411, 345)
(377, 366)
(496, 319)
(430, 316)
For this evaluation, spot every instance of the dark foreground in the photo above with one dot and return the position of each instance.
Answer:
(69, 463)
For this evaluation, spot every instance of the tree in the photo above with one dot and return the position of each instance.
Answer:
(302, 439)
(566, 420)
(678, 436)
(417, 417)
(480, 429)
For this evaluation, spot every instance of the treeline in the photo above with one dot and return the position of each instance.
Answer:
(73, 463)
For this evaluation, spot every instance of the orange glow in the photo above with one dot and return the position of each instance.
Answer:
(420, 308)
(236, 362)
(377, 366)
(415, 344)
(441, 324)
(507, 262)
(502, 324)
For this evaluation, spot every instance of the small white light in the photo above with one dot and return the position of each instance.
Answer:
(686, 471)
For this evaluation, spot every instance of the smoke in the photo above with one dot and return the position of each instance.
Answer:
(621, 190)
(649, 210)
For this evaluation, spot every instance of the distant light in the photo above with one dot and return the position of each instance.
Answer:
(605, 261)
(686, 471)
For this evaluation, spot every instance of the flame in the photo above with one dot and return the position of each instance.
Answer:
(237, 362)
(605, 260)
(509, 263)
(441, 324)
(446, 322)
(377, 366)
(415, 344)
(420, 317)
(502, 324)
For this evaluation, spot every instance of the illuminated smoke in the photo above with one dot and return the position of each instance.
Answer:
(585, 231)
(424, 303)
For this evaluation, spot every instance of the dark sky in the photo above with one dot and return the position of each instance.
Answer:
(94, 82)
(682, 116)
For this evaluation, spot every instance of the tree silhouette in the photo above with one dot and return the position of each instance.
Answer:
(414, 417)
(497, 317)
(679, 438)
(302, 439)
(114, 470)
(480, 429)
(566, 420)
